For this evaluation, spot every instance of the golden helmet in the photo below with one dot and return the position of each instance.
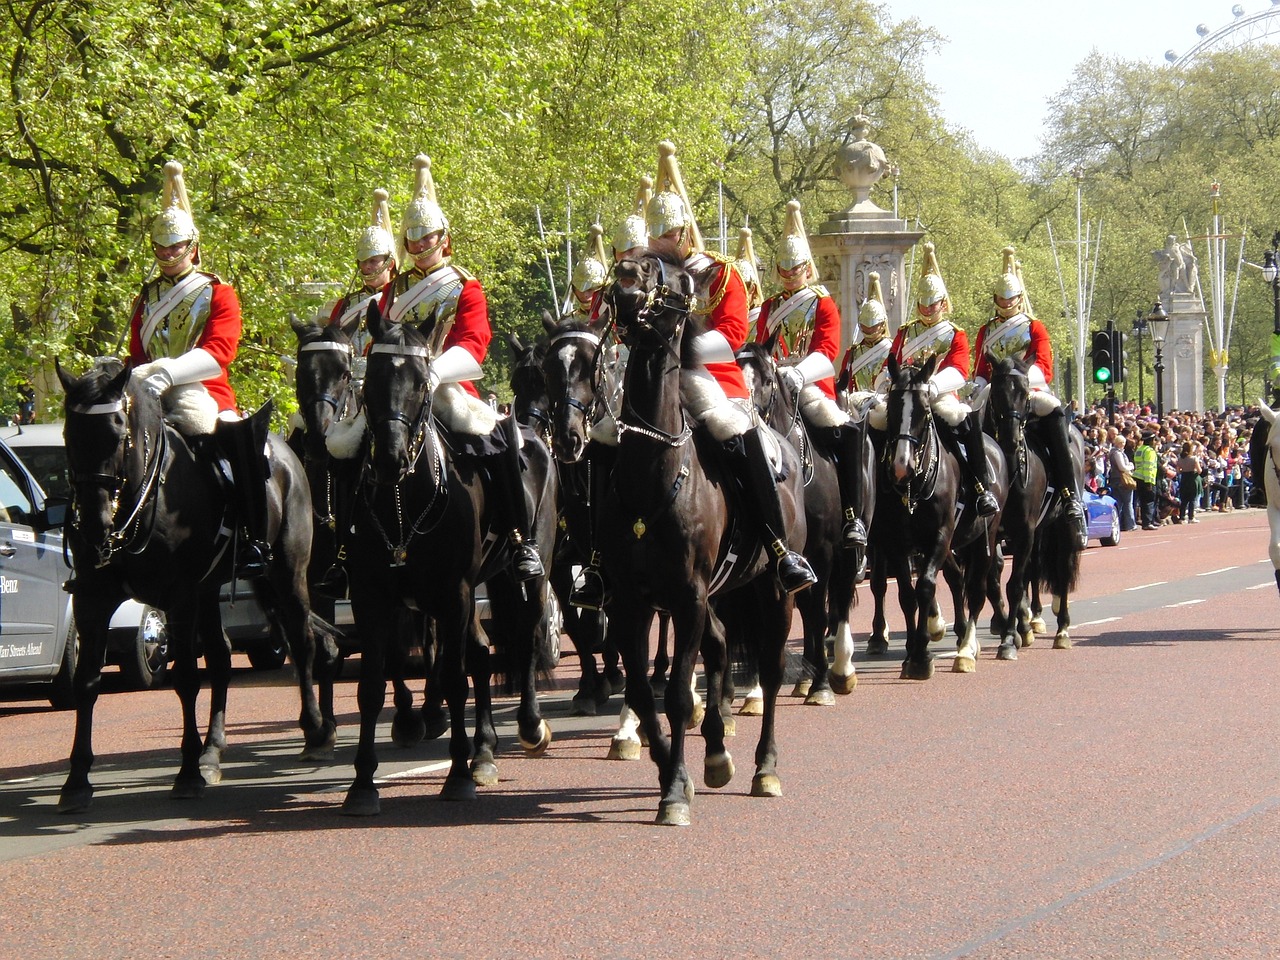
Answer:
(745, 261)
(592, 270)
(634, 231)
(423, 215)
(930, 288)
(872, 314)
(1009, 284)
(376, 239)
(793, 250)
(174, 223)
(670, 208)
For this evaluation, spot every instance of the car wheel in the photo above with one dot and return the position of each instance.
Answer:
(62, 694)
(146, 663)
(270, 654)
(1114, 539)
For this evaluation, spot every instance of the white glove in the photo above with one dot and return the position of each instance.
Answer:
(157, 382)
(792, 377)
(931, 390)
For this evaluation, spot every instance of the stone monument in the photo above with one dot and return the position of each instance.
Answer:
(1183, 350)
(863, 239)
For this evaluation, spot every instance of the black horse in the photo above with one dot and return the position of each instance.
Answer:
(149, 512)
(671, 536)
(1043, 545)
(421, 538)
(824, 607)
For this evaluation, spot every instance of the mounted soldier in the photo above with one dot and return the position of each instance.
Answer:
(803, 321)
(716, 395)
(930, 333)
(184, 333)
(1012, 332)
(448, 305)
(749, 268)
(587, 283)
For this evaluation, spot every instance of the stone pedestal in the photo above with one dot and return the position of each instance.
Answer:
(854, 243)
(1183, 354)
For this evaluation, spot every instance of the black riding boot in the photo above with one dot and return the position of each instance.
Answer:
(508, 485)
(848, 446)
(591, 593)
(1063, 471)
(756, 477)
(976, 469)
(1258, 463)
(242, 442)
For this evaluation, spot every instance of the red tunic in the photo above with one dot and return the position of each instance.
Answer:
(1040, 352)
(825, 339)
(956, 358)
(729, 319)
(220, 338)
(470, 329)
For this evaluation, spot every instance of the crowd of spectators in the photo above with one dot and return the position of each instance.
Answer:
(1202, 460)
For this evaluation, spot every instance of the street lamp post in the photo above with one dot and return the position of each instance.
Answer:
(1139, 328)
(1271, 274)
(1158, 324)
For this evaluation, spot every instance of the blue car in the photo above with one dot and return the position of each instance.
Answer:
(1104, 518)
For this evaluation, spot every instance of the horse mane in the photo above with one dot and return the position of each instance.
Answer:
(1009, 365)
(667, 251)
(91, 387)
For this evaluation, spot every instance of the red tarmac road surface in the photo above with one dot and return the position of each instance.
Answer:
(1119, 799)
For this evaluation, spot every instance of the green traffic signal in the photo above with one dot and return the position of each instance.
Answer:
(1101, 356)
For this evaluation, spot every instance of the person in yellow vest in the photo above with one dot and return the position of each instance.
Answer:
(1146, 466)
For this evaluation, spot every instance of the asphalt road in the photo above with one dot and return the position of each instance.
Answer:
(1118, 799)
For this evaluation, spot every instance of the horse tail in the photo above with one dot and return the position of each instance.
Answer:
(1059, 558)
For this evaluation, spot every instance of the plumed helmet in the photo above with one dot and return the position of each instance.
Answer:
(423, 216)
(1009, 284)
(930, 289)
(592, 270)
(873, 314)
(670, 208)
(793, 249)
(174, 223)
(376, 239)
(634, 231)
(745, 261)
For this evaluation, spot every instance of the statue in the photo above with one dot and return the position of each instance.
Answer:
(1179, 269)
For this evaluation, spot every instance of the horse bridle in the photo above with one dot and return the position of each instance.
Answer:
(118, 537)
(341, 402)
(924, 458)
(1018, 428)
(588, 411)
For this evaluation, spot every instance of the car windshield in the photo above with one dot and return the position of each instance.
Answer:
(49, 464)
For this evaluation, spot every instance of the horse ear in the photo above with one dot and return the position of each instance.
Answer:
(298, 326)
(549, 322)
(894, 367)
(119, 381)
(351, 326)
(1268, 414)
(66, 379)
(373, 320)
(771, 344)
(929, 366)
(515, 343)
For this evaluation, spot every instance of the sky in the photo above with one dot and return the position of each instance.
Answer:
(1002, 63)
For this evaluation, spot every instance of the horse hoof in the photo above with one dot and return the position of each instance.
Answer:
(717, 771)
(361, 802)
(1008, 651)
(673, 815)
(1028, 638)
(434, 727)
(76, 800)
(844, 685)
(320, 753)
(963, 665)
(188, 788)
(730, 726)
(459, 788)
(877, 646)
(821, 698)
(751, 707)
(408, 730)
(538, 747)
(916, 671)
(696, 718)
(1062, 641)
(802, 688)
(210, 773)
(484, 773)
(1039, 626)
(766, 785)
(584, 705)
(620, 749)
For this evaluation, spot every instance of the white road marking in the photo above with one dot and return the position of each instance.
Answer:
(1158, 583)
(1094, 623)
(1210, 573)
(1259, 586)
(399, 775)
(1184, 603)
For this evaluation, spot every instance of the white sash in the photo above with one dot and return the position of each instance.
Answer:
(698, 262)
(1018, 325)
(800, 299)
(156, 313)
(927, 338)
(356, 309)
(874, 356)
(424, 288)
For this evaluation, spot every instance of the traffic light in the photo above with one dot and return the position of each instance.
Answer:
(1118, 355)
(1103, 366)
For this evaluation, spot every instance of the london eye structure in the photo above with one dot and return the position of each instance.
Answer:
(1243, 30)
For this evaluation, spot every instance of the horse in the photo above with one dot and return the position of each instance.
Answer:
(328, 398)
(149, 512)
(586, 628)
(824, 607)
(1271, 480)
(915, 519)
(1034, 527)
(668, 526)
(422, 539)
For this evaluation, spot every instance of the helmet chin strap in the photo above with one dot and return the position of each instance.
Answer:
(171, 261)
(423, 255)
(1004, 313)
